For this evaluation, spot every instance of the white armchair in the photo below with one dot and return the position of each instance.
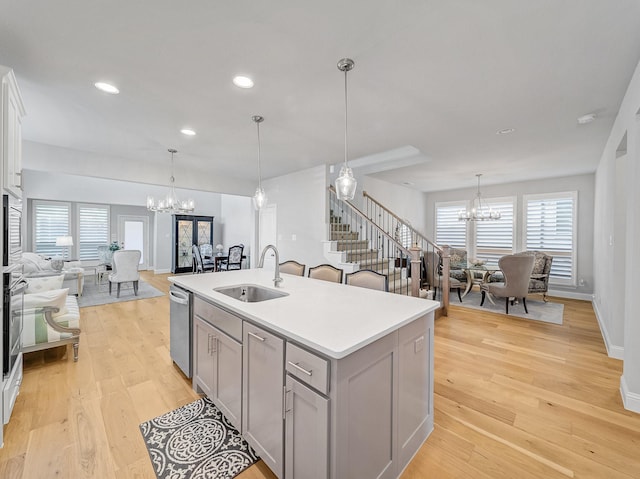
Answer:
(125, 265)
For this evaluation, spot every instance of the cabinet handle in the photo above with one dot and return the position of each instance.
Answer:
(301, 369)
(253, 335)
(284, 403)
(214, 344)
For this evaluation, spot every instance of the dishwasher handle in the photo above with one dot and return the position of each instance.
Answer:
(178, 297)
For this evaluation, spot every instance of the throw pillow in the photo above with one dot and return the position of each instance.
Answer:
(56, 298)
(44, 283)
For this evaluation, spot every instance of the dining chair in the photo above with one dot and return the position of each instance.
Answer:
(517, 271)
(292, 267)
(367, 278)
(433, 267)
(326, 272)
(234, 258)
(125, 262)
(200, 265)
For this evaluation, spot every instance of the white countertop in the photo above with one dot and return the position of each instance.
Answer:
(331, 318)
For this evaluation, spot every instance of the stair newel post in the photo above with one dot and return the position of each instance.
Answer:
(415, 270)
(446, 256)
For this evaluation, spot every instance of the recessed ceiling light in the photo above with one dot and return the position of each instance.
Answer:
(584, 119)
(505, 131)
(106, 87)
(188, 132)
(242, 81)
(407, 183)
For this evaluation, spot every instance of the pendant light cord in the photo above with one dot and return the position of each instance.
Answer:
(345, 117)
(259, 170)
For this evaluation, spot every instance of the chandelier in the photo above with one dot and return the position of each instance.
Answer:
(170, 203)
(260, 197)
(479, 210)
(345, 183)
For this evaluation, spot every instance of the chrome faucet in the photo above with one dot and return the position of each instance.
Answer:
(277, 279)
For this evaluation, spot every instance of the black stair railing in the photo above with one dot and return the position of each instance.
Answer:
(363, 242)
(433, 258)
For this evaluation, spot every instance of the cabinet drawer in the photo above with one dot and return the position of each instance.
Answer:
(309, 368)
(221, 319)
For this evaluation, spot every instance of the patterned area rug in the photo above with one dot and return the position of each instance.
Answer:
(196, 441)
(95, 294)
(538, 310)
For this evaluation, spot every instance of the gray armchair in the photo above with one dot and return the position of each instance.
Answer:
(517, 271)
(539, 281)
(433, 267)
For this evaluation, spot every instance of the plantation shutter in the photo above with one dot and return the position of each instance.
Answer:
(449, 230)
(550, 227)
(51, 221)
(494, 238)
(93, 229)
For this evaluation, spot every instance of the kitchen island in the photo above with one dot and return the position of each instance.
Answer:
(327, 381)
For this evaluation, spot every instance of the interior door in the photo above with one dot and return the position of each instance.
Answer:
(133, 232)
(267, 234)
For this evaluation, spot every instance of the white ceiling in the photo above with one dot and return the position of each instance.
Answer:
(436, 78)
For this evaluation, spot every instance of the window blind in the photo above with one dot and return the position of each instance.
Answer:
(550, 228)
(93, 230)
(51, 221)
(449, 230)
(494, 238)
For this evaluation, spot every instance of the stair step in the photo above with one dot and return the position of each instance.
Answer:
(356, 256)
(340, 227)
(344, 235)
(352, 244)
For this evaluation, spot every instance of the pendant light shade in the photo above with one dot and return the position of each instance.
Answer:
(170, 203)
(346, 183)
(259, 197)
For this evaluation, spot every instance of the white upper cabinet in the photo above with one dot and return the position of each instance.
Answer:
(11, 133)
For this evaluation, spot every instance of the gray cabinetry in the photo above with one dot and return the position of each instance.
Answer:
(204, 335)
(306, 432)
(218, 358)
(263, 395)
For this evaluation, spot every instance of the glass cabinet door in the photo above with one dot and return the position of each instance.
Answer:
(187, 231)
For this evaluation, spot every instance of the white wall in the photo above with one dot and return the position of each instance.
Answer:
(406, 203)
(237, 224)
(301, 200)
(616, 252)
(64, 187)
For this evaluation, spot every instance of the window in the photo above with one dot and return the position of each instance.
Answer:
(51, 220)
(403, 235)
(449, 230)
(494, 238)
(550, 226)
(93, 230)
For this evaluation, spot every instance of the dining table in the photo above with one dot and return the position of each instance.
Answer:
(477, 274)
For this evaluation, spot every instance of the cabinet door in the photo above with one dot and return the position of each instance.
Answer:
(263, 391)
(306, 432)
(227, 381)
(12, 133)
(203, 367)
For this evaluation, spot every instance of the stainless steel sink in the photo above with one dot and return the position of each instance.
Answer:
(250, 293)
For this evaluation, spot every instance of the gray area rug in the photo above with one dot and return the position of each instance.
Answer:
(96, 294)
(196, 441)
(538, 310)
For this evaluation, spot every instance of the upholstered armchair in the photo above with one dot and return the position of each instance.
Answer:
(125, 265)
(517, 272)
(234, 258)
(458, 264)
(433, 267)
(539, 281)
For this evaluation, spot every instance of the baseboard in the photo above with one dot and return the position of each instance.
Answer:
(162, 271)
(570, 295)
(615, 352)
(630, 400)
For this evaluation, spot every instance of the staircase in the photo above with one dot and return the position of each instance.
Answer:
(355, 243)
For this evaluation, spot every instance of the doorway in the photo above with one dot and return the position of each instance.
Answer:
(133, 232)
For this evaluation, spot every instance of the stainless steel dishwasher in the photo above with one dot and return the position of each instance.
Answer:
(180, 328)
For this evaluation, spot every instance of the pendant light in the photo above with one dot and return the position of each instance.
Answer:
(345, 183)
(479, 210)
(260, 197)
(171, 203)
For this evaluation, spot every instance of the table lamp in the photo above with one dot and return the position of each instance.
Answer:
(219, 248)
(65, 242)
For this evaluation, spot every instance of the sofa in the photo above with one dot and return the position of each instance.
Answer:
(35, 265)
(51, 316)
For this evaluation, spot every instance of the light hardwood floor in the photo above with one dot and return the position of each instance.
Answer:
(513, 399)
